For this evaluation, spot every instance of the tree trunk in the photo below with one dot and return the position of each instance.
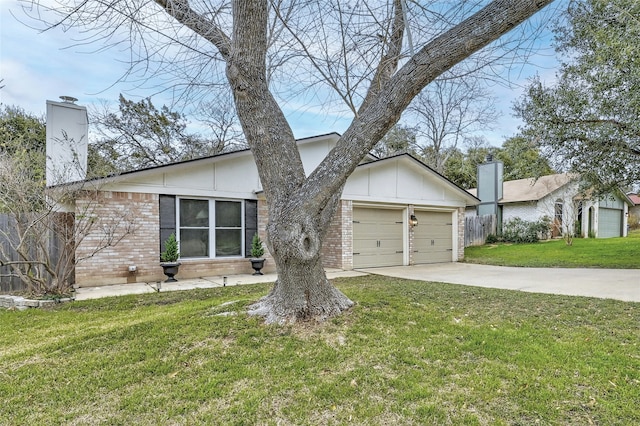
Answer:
(301, 292)
(297, 223)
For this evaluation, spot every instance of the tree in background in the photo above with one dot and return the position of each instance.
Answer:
(462, 166)
(223, 129)
(587, 122)
(400, 139)
(140, 135)
(374, 56)
(23, 138)
(447, 112)
(522, 159)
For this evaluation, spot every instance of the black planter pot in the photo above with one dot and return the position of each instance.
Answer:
(257, 265)
(170, 269)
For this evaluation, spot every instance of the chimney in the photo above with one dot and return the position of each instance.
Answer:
(490, 178)
(67, 141)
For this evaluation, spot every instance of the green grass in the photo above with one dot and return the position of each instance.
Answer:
(407, 353)
(614, 253)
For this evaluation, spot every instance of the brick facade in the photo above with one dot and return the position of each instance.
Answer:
(132, 219)
(337, 249)
(135, 219)
(461, 224)
(411, 210)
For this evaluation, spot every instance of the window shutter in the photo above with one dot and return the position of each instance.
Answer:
(167, 218)
(250, 224)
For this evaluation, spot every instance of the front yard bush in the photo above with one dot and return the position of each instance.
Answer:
(521, 231)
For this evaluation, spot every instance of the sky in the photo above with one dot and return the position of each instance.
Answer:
(36, 67)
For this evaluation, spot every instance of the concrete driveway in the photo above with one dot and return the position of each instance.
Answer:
(619, 284)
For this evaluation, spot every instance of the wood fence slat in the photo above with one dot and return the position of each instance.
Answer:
(477, 228)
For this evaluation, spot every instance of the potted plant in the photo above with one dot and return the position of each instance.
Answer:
(257, 251)
(169, 258)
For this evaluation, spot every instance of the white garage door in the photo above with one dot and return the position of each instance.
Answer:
(433, 237)
(377, 237)
(609, 223)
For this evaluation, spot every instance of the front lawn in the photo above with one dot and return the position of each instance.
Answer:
(407, 353)
(615, 253)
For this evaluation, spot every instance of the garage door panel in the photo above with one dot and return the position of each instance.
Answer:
(377, 237)
(433, 238)
(434, 244)
(609, 223)
(442, 232)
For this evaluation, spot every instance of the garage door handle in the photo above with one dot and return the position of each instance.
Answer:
(399, 251)
(355, 253)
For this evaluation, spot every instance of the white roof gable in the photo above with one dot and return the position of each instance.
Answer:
(404, 179)
(399, 179)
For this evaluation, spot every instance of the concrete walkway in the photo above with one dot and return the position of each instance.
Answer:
(85, 293)
(619, 284)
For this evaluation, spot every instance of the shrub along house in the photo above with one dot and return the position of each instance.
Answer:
(394, 211)
(557, 197)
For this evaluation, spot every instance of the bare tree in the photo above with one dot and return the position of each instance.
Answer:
(224, 132)
(448, 111)
(355, 49)
(38, 244)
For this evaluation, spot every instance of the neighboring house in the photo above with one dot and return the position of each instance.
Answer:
(216, 204)
(557, 197)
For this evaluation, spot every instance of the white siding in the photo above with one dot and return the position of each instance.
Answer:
(525, 211)
(400, 181)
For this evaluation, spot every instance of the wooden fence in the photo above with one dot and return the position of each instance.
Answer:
(477, 228)
(9, 282)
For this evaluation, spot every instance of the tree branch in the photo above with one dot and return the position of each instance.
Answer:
(183, 13)
(436, 57)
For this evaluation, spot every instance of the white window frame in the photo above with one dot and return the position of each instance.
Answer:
(212, 226)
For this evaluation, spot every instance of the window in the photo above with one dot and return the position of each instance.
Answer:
(228, 228)
(210, 228)
(194, 228)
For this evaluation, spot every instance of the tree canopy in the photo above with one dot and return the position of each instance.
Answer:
(141, 135)
(521, 159)
(587, 121)
(23, 138)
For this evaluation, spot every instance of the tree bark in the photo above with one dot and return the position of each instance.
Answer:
(301, 292)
